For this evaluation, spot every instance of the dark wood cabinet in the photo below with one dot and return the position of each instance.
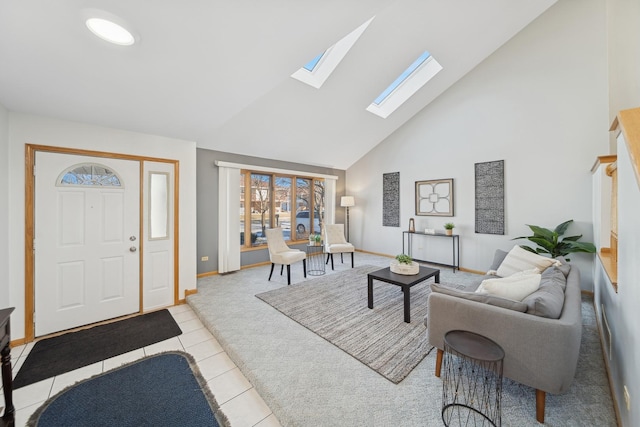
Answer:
(7, 379)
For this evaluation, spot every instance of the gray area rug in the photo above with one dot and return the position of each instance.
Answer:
(307, 381)
(335, 307)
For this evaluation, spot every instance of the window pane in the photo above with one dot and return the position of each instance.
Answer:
(318, 186)
(282, 194)
(303, 208)
(309, 66)
(295, 204)
(260, 204)
(401, 78)
(158, 205)
(90, 174)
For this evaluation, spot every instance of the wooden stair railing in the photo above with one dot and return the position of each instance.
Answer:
(629, 123)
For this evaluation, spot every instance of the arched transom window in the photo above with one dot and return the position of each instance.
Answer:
(90, 174)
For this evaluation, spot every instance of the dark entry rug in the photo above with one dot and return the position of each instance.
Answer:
(64, 353)
(161, 390)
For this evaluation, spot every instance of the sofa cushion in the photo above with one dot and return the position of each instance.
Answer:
(564, 266)
(498, 257)
(554, 275)
(515, 287)
(483, 298)
(519, 259)
(548, 300)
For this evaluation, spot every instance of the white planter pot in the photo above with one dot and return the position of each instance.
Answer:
(406, 269)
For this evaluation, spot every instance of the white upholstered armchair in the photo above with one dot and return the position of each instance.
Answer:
(280, 253)
(334, 242)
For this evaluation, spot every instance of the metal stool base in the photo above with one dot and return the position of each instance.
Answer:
(472, 380)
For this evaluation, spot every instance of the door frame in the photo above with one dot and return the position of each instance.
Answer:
(30, 156)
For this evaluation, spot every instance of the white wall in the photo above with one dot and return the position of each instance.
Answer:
(4, 208)
(44, 131)
(622, 309)
(539, 103)
(624, 56)
(617, 312)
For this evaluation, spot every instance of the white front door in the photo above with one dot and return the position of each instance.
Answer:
(87, 224)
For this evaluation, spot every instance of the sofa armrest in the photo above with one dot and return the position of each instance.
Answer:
(539, 352)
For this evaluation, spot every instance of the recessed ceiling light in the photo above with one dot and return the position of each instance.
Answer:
(110, 31)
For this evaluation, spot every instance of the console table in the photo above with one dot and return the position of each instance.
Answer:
(5, 350)
(455, 247)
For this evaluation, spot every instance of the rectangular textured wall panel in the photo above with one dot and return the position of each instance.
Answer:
(490, 197)
(391, 199)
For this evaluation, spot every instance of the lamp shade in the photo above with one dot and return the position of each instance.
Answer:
(347, 201)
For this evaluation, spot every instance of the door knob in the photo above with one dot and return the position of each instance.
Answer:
(133, 249)
(132, 238)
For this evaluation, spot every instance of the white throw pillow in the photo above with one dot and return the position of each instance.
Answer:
(516, 287)
(519, 259)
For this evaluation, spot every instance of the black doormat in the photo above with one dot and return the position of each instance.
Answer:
(64, 353)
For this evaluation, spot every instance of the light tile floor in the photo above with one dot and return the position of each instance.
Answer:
(237, 398)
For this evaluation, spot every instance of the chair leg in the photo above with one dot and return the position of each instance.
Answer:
(341, 257)
(540, 396)
(439, 362)
(331, 261)
(304, 267)
(288, 274)
(328, 256)
(281, 269)
(351, 259)
(272, 265)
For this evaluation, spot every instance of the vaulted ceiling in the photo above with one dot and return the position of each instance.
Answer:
(218, 72)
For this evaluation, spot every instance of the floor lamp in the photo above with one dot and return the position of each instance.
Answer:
(347, 202)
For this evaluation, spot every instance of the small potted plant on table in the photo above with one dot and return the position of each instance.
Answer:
(448, 228)
(403, 264)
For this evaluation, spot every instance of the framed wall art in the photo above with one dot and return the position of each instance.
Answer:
(434, 197)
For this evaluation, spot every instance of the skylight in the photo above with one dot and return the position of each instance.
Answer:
(309, 66)
(317, 71)
(405, 85)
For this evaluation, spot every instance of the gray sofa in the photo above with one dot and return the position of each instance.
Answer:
(540, 352)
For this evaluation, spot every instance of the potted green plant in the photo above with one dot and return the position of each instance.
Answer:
(448, 228)
(552, 243)
(404, 264)
(404, 259)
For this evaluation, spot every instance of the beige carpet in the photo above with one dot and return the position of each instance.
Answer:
(307, 381)
(335, 308)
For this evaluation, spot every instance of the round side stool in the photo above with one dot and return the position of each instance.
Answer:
(315, 259)
(472, 383)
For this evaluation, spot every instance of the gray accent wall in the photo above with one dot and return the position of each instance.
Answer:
(207, 196)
